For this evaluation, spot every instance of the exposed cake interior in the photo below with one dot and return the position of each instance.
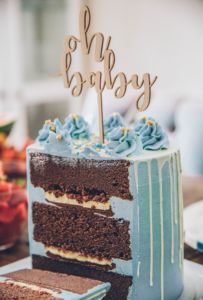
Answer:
(97, 238)
(120, 285)
(80, 179)
(34, 283)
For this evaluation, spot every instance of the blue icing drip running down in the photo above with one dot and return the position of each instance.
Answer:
(77, 127)
(152, 135)
(113, 121)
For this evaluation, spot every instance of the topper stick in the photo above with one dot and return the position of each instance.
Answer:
(100, 80)
(100, 112)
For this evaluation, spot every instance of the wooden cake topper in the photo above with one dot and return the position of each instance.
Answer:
(100, 80)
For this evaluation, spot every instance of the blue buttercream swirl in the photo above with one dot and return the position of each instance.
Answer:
(122, 142)
(77, 127)
(44, 132)
(153, 137)
(47, 128)
(54, 137)
(113, 121)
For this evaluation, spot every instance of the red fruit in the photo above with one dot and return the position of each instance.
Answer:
(18, 196)
(7, 214)
(3, 206)
(22, 211)
(5, 191)
(5, 186)
(22, 155)
(9, 153)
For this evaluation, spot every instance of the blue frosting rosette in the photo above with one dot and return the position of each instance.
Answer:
(77, 127)
(54, 137)
(122, 142)
(48, 128)
(113, 121)
(152, 135)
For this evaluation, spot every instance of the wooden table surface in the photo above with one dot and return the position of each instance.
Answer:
(192, 192)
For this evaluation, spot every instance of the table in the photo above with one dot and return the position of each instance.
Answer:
(192, 192)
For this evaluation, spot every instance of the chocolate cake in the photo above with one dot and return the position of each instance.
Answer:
(45, 285)
(111, 212)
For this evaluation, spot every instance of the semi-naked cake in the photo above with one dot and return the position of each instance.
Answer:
(112, 211)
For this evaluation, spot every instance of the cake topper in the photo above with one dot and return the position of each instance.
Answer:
(100, 80)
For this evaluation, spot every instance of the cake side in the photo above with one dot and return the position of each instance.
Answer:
(157, 247)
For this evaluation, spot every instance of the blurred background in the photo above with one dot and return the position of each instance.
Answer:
(160, 37)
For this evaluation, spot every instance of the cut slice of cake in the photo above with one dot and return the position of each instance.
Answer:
(112, 211)
(44, 285)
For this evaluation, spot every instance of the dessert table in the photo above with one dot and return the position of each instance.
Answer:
(192, 192)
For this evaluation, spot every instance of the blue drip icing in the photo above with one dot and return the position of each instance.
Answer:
(144, 234)
(155, 290)
(171, 270)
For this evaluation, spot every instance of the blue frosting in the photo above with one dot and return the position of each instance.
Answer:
(122, 142)
(73, 137)
(44, 132)
(54, 137)
(152, 135)
(113, 121)
(89, 151)
(77, 127)
(58, 143)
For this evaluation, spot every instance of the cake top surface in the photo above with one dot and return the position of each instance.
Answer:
(73, 138)
(55, 281)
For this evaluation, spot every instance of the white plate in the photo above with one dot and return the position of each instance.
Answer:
(193, 277)
(193, 225)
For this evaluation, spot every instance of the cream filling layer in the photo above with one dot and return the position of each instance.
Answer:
(87, 204)
(32, 287)
(78, 256)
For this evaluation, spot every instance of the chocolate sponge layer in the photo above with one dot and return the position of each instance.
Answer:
(54, 281)
(120, 284)
(81, 230)
(12, 292)
(70, 175)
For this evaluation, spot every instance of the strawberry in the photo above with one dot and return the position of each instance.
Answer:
(3, 205)
(22, 211)
(5, 191)
(9, 153)
(7, 214)
(18, 196)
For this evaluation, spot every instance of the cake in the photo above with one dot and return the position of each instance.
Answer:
(46, 285)
(111, 211)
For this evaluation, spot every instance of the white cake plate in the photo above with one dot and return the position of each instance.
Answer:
(193, 277)
(193, 225)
